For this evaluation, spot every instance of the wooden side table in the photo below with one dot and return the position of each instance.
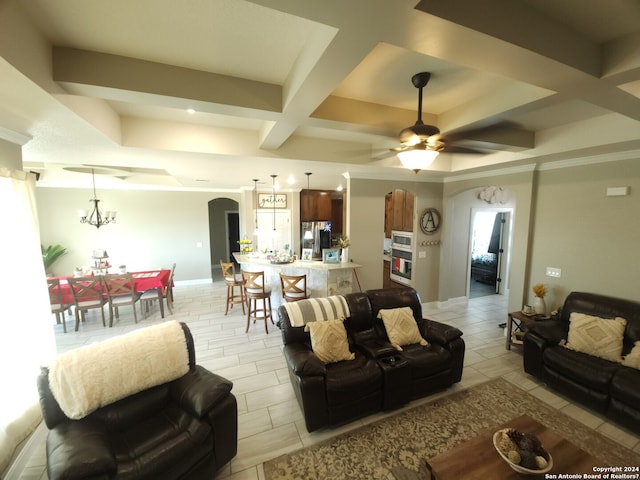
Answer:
(517, 325)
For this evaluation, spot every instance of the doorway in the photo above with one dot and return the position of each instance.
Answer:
(489, 240)
(224, 233)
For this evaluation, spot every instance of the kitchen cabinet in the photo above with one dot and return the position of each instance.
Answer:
(388, 214)
(322, 205)
(401, 207)
(315, 205)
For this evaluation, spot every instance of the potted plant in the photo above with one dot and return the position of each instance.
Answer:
(343, 243)
(50, 254)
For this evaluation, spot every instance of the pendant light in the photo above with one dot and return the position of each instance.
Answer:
(273, 182)
(255, 204)
(308, 235)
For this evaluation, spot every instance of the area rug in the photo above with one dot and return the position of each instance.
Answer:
(397, 447)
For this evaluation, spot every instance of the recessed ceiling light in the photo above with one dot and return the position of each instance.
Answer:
(191, 111)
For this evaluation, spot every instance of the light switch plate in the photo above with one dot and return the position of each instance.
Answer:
(554, 272)
(422, 254)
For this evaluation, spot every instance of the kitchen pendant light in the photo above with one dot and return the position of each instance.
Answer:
(273, 200)
(308, 235)
(255, 204)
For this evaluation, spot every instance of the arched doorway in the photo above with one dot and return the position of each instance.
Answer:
(224, 233)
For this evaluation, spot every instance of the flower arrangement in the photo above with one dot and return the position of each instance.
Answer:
(539, 290)
(342, 242)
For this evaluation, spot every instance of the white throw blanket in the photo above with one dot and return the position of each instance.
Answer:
(314, 309)
(87, 378)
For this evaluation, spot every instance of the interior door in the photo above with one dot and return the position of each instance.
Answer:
(233, 234)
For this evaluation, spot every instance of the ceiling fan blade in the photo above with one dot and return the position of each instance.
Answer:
(460, 149)
(500, 136)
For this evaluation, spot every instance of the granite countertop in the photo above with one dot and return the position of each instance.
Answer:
(259, 259)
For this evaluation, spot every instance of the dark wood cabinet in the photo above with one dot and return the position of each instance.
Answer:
(388, 214)
(322, 205)
(307, 206)
(400, 205)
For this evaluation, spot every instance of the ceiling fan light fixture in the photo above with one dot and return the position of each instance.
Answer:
(417, 158)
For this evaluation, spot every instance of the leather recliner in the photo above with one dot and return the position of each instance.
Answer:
(604, 386)
(337, 393)
(184, 429)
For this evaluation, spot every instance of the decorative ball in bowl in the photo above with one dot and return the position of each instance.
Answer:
(523, 452)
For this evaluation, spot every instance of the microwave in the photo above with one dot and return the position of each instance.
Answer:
(402, 240)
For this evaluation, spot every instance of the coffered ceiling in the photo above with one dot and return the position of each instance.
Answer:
(292, 86)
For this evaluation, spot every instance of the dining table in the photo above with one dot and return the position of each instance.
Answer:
(146, 280)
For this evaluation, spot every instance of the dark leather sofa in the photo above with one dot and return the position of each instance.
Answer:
(380, 377)
(607, 387)
(183, 429)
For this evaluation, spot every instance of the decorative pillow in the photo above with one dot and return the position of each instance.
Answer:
(401, 327)
(329, 340)
(600, 337)
(632, 359)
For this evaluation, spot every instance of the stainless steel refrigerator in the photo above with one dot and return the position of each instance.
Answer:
(315, 236)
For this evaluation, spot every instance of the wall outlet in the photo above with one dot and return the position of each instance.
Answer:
(554, 272)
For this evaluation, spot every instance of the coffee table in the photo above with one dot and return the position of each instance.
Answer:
(478, 459)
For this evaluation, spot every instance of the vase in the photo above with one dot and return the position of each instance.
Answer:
(539, 306)
(344, 257)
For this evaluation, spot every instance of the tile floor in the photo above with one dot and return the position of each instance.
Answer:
(269, 418)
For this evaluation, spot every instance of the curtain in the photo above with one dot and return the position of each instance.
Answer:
(26, 335)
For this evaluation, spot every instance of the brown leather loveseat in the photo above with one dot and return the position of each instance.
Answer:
(379, 376)
(184, 428)
(606, 386)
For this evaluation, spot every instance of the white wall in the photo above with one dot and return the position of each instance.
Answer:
(592, 238)
(366, 214)
(153, 229)
(460, 198)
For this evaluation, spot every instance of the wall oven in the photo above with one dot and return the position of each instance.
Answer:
(401, 257)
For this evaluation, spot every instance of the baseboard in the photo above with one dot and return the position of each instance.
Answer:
(197, 281)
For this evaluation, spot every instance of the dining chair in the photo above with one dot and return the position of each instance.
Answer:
(148, 296)
(57, 304)
(121, 291)
(294, 287)
(88, 293)
(255, 290)
(233, 280)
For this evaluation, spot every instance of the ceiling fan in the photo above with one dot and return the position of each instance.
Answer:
(422, 143)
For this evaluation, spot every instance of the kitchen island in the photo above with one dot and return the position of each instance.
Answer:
(323, 279)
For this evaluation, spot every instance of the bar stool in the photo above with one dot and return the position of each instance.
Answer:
(255, 290)
(233, 280)
(294, 287)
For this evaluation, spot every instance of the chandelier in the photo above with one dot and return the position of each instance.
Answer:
(97, 219)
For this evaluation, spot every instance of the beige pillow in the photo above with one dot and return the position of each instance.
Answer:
(401, 327)
(632, 359)
(329, 340)
(596, 336)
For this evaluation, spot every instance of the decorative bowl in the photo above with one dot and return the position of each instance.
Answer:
(515, 466)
